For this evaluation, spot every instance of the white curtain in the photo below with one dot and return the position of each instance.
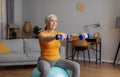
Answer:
(2, 19)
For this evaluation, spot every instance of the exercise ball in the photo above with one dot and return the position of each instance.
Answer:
(54, 72)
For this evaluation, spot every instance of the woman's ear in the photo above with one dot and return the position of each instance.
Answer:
(47, 23)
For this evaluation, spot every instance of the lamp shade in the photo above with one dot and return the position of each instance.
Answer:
(117, 25)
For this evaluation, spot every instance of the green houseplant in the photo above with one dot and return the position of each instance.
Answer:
(36, 30)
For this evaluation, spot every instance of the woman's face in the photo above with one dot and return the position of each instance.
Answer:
(52, 23)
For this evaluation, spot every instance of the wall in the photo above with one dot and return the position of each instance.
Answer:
(29, 12)
(73, 21)
(18, 13)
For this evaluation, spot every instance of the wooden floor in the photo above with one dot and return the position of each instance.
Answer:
(87, 70)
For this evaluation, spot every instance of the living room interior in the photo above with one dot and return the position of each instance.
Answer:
(74, 16)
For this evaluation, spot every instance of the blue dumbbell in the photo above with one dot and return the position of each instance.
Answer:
(89, 36)
(59, 37)
(81, 37)
(68, 37)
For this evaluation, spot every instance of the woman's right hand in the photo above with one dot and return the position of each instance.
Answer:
(64, 36)
(85, 35)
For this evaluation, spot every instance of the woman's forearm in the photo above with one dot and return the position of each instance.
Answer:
(74, 37)
(46, 38)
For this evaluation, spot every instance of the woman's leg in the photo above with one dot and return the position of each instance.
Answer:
(43, 67)
(70, 65)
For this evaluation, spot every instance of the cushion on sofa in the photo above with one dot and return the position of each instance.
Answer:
(4, 48)
(33, 56)
(15, 45)
(12, 57)
(31, 45)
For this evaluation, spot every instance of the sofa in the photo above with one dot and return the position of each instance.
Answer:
(24, 52)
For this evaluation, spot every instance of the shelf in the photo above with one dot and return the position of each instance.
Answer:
(10, 31)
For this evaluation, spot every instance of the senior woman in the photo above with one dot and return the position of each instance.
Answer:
(50, 55)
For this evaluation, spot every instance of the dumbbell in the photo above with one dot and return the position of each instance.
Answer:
(81, 37)
(59, 37)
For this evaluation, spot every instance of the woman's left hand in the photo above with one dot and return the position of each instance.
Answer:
(85, 35)
(64, 36)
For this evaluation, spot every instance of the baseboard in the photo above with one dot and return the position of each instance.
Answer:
(103, 61)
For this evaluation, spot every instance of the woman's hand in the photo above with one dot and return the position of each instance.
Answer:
(76, 36)
(85, 35)
(64, 36)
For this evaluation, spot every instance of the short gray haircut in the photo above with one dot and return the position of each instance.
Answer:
(49, 16)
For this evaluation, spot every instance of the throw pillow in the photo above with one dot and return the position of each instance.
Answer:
(4, 48)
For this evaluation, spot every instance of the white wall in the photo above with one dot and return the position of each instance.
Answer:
(18, 13)
(29, 11)
(72, 21)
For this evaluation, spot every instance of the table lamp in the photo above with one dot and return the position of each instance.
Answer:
(96, 34)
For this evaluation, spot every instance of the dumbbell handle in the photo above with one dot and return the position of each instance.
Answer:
(59, 37)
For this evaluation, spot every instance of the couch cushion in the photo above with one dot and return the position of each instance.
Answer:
(33, 56)
(31, 45)
(4, 48)
(15, 45)
(12, 57)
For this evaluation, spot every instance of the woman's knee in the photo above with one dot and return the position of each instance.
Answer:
(76, 65)
(43, 66)
(68, 64)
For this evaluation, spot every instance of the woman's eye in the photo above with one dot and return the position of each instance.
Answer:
(53, 21)
(56, 21)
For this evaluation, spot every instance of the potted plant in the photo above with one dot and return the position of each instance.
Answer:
(36, 30)
(14, 35)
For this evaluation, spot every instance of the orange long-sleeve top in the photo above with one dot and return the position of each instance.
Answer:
(50, 50)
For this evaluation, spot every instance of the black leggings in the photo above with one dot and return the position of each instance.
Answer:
(44, 66)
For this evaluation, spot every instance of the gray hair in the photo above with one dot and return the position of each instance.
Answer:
(49, 16)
